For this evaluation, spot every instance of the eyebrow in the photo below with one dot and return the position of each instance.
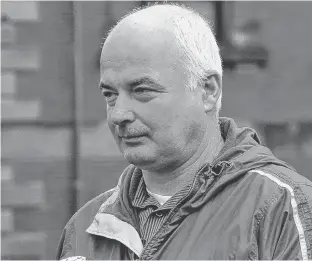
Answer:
(144, 80)
(106, 86)
(136, 82)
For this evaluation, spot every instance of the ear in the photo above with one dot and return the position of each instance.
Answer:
(212, 88)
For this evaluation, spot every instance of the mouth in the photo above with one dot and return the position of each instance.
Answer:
(132, 139)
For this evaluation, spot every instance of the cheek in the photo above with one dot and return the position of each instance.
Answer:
(173, 119)
(161, 116)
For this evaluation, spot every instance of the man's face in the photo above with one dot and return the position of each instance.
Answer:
(156, 122)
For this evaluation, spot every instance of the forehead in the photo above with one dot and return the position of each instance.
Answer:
(140, 45)
(135, 51)
(140, 54)
(118, 73)
(127, 62)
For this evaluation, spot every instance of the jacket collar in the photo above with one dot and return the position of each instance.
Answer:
(108, 224)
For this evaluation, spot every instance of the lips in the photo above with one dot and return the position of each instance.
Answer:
(131, 137)
(128, 132)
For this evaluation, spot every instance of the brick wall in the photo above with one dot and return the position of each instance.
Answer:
(37, 89)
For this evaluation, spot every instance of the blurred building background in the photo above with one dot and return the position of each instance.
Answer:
(57, 152)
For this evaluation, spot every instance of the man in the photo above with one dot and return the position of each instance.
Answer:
(197, 187)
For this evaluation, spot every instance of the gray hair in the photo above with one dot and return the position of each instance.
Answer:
(196, 40)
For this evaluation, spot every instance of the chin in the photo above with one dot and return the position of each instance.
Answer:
(139, 157)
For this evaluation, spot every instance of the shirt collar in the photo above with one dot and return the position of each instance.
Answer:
(142, 199)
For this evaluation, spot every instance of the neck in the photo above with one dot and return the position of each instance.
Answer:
(168, 183)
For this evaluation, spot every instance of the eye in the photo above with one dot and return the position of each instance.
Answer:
(142, 90)
(110, 96)
(107, 94)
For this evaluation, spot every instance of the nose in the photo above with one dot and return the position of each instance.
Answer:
(121, 116)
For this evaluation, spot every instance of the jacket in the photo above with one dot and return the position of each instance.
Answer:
(247, 204)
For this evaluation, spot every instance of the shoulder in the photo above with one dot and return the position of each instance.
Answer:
(84, 217)
(284, 184)
(280, 177)
(287, 207)
(79, 222)
(89, 210)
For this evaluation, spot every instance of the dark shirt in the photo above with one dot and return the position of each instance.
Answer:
(151, 213)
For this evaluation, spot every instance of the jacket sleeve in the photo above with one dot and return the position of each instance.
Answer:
(285, 231)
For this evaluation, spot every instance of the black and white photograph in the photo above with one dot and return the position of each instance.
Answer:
(156, 130)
